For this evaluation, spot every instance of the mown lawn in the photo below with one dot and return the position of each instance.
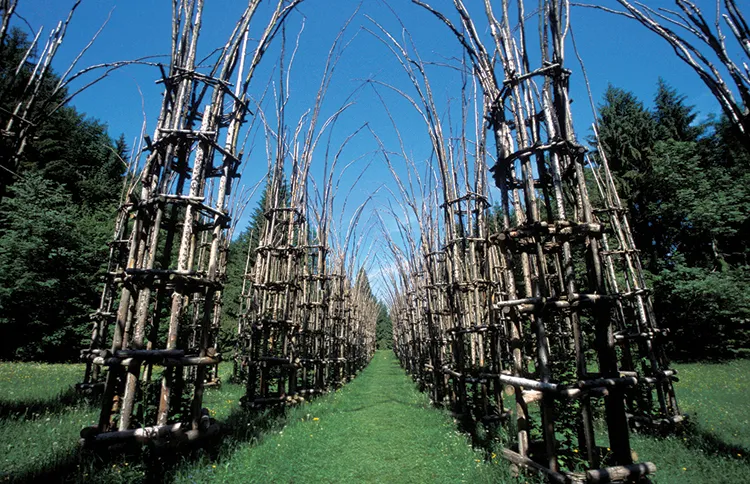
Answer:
(717, 447)
(376, 429)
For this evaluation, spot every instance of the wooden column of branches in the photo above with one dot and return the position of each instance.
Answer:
(473, 335)
(570, 331)
(105, 316)
(313, 313)
(163, 344)
(362, 338)
(304, 328)
(410, 333)
(446, 331)
(349, 330)
(652, 403)
(439, 320)
(448, 334)
(270, 322)
(334, 325)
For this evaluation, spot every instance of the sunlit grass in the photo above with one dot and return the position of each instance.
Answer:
(715, 448)
(716, 395)
(378, 428)
(24, 382)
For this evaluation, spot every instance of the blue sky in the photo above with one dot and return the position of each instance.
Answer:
(615, 50)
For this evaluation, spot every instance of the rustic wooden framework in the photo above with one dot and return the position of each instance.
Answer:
(305, 326)
(550, 306)
(269, 324)
(169, 251)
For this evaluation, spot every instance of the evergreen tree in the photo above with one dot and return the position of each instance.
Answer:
(688, 197)
(627, 133)
(674, 119)
(55, 221)
(48, 268)
(384, 328)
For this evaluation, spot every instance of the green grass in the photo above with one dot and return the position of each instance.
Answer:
(716, 446)
(378, 428)
(40, 417)
(30, 383)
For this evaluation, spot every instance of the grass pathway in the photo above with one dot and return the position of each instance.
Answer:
(378, 428)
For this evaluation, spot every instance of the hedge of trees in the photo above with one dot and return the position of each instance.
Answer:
(687, 186)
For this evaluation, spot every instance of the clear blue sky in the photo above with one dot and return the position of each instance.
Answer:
(616, 50)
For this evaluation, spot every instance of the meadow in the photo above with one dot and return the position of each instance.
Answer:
(378, 428)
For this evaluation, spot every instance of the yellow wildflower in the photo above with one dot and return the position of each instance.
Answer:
(315, 419)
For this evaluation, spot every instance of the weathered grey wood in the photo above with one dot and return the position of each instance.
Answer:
(184, 206)
(620, 473)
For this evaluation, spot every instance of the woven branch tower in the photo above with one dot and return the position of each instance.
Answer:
(156, 328)
(305, 328)
(540, 320)
(269, 324)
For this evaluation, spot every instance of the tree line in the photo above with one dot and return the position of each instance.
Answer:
(687, 187)
(56, 218)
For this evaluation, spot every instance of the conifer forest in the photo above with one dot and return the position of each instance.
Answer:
(378, 241)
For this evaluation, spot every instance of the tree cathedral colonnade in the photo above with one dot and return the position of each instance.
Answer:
(154, 346)
(536, 320)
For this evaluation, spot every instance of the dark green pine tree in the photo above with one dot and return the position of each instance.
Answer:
(674, 119)
(384, 328)
(627, 133)
(686, 185)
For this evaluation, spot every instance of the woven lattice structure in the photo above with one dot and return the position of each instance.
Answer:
(308, 330)
(539, 318)
(269, 325)
(157, 325)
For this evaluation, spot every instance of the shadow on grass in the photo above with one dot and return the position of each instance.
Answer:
(153, 463)
(694, 437)
(31, 409)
